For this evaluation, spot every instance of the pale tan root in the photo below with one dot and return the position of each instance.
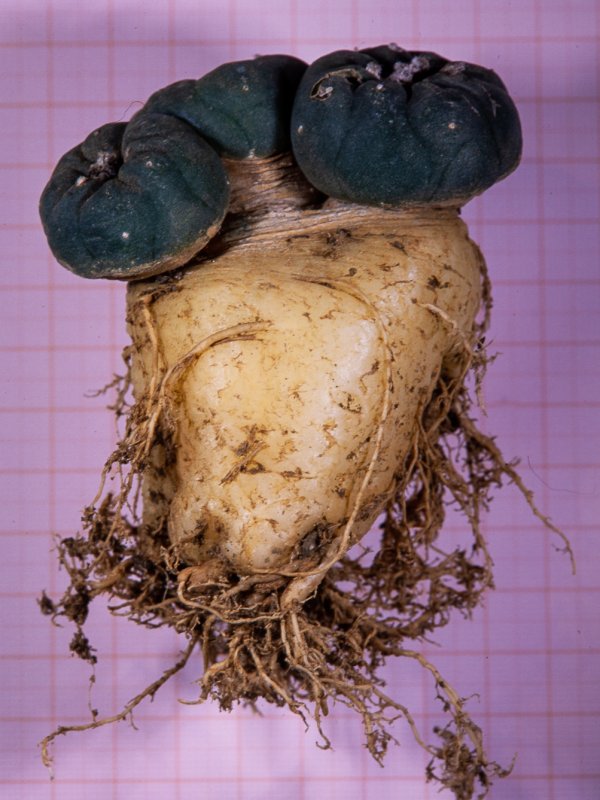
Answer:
(328, 650)
(312, 636)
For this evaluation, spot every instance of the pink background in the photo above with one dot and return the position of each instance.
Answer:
(531, 656)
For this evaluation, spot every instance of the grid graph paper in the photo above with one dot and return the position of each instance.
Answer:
(531, 657)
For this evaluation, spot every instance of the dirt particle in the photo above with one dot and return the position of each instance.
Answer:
(46, 605)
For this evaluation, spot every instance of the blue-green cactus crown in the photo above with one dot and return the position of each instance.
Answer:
(140, 198)
(386, 126)
(381, 127)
